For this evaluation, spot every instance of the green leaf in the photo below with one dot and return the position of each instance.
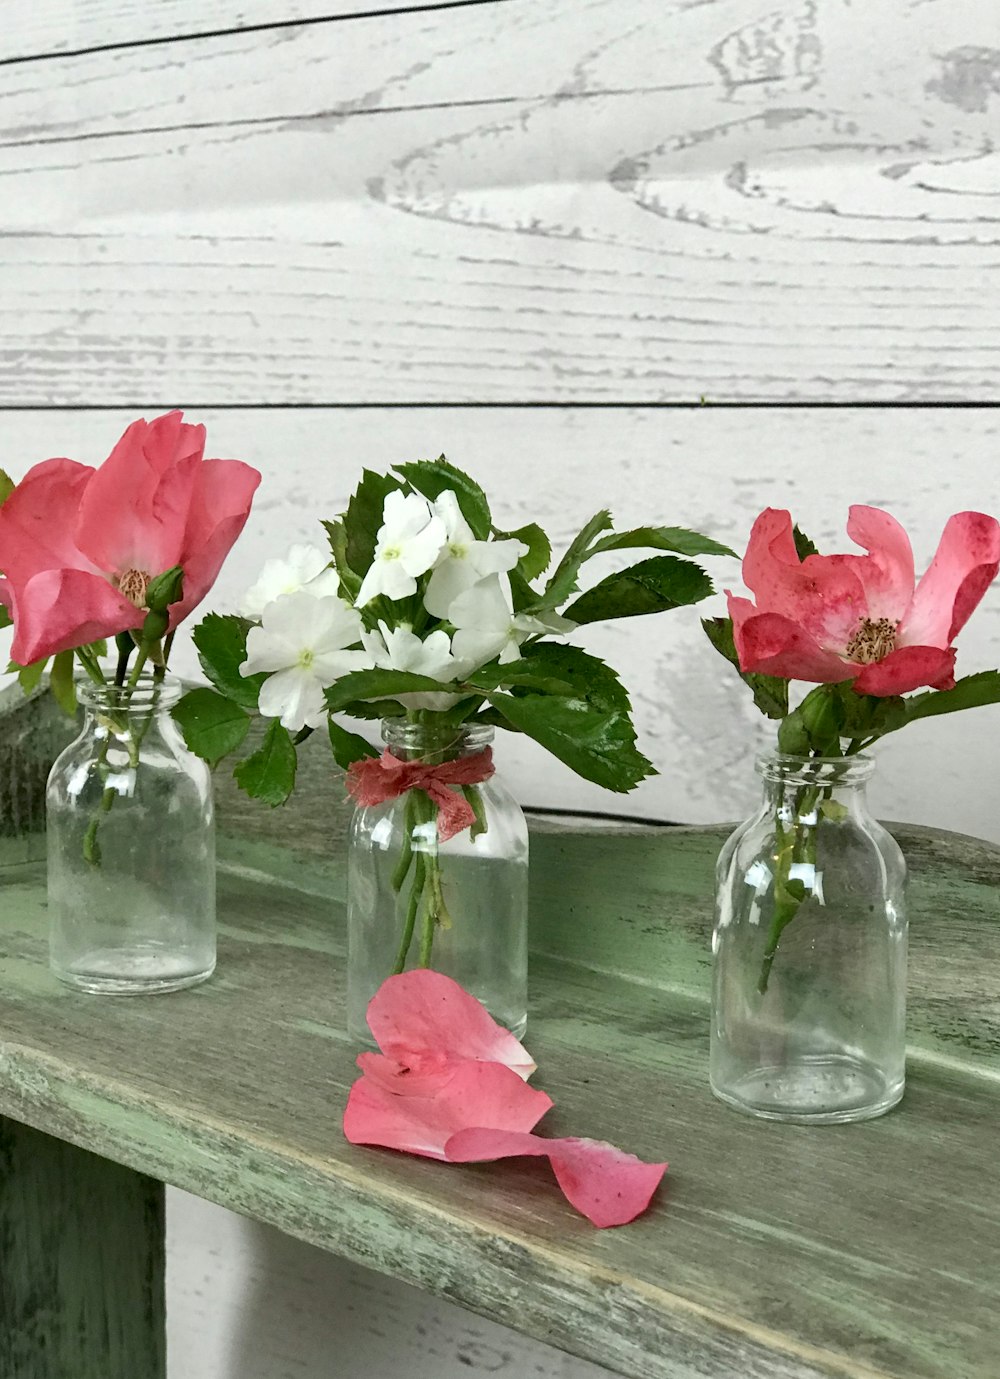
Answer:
(971, 692)
(211, 725)
(348, 747)
(770, 693)
(350, 583)
(221, 640)
(379, 684)
(7, 486)
(865, 715)
(678, 539)
(61, 682)
(803, 546)
(523, 673)
(563, 582)
(269, 773)
(381, 708)
(597, 744)
(533, 564)
(432, 477)
(363, 518)
(653, 586)
(591, 678)
(28, 677)
(5, 619)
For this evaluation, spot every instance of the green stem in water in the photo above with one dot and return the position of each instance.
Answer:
(412, 907)
(795, 845)
(90, 664)
(406, 852)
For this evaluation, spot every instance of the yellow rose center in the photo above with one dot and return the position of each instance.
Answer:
(872, 641)
(133, 585)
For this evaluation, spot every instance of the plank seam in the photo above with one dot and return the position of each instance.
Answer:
(247, 29)
(446, 405)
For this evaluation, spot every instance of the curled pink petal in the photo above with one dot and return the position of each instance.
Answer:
(775, 645)
(605, 1184)
(887, 572)
(423, 1018)
(425, 1077)
(964, 566)
(486, 1094)
(908, 668)
(58, 610)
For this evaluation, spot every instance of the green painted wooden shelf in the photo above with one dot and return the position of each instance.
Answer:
(772, 1252)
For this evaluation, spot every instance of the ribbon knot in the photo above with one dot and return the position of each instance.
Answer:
(373, 780)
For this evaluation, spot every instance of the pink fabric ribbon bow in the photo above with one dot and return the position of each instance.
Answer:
(374, 780)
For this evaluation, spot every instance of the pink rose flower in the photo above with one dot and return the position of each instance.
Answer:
(79, 545)
(861, 617)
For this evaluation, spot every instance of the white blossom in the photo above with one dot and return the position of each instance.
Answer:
(304, 567)
(303, 642)
(464, 561)
(486, 626)
(409, 542)
(399, 648)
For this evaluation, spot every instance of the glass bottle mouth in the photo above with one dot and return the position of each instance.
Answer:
(780, 768)
(146, 694)
(444, 742)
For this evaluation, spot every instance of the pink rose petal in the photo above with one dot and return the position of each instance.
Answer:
(964, 565)
(605, 1184)
(486, 1094)
(424, 1019)
(908, 668)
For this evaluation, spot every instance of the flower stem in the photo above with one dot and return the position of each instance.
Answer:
(90, 664)
(413, 905)
(406, 852)
(795, 845)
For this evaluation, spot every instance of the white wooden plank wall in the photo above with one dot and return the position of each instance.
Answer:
(530, 233)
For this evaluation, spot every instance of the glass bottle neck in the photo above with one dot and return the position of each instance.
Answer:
(433, 743)
(146, 697)
(805, 789)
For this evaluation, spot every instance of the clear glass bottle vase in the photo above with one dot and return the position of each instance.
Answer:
(459, 906)
(131, 848)
(809, 951)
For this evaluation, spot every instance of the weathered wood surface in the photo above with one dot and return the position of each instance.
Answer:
(775, 1252)
(81, 1261)
(511, 202)
(55, 27)
(712, 469)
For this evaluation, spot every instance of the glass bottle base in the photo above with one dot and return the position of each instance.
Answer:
(815, 1091)
(145, 971)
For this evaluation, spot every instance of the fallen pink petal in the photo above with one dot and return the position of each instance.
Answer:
(476, 1093)
(605, 1184)
(425, 1020)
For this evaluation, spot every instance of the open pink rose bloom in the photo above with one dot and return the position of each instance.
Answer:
(79, 545)
(451, 1084)
(861, 617)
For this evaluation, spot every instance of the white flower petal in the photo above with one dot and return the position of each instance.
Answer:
(446, 506)
(329, 666)
(496, 557)
(420, 551)
(448, 582)
(283, 576)
(267, 651)
(485, 606)
(295, 696)
(385, 577)
(325, 585)
(403, 516)
(474, 648)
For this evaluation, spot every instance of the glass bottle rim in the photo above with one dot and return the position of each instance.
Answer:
(458, 738)
(786, 768)
(146, 694)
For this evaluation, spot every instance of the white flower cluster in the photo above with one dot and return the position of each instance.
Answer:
(306, 630)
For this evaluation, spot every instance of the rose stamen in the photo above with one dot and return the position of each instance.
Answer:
(133, 585)
(873, 641)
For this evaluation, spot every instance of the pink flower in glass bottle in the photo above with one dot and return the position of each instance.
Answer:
(861, 617)
(79, 545)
